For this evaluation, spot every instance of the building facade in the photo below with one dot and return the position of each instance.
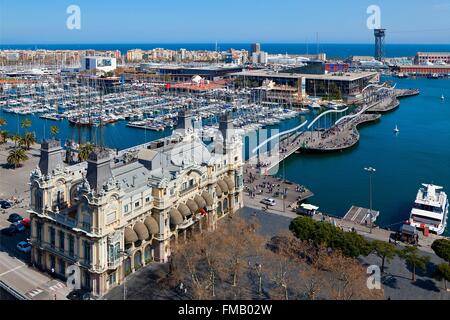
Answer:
(115, 213)
(432, 57)
(104, 64)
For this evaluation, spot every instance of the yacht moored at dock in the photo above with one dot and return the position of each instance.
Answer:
(430, 209)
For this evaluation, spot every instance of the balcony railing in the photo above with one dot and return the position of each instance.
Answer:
(188, 189)
(63, 219)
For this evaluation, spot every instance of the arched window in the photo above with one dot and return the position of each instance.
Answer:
(225, 205)
(219, 208)
(148, 256)
(127, 266)
(137, 260)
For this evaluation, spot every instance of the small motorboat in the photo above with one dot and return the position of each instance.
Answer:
(442, 98)
(396, 129)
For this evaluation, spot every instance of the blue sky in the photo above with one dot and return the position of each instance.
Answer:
(201, 21)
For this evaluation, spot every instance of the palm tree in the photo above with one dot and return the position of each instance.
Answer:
(26, 123)
(16, 138)
(54, 130)
(84, 150)
(3, 122)
(16, 157)
(27, 140)
(3, 136)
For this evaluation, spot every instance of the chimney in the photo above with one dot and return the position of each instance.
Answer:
(99, 169)
(51, 157)
(184, 120)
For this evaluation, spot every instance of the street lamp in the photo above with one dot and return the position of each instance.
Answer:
(371, 171)
(125, 253)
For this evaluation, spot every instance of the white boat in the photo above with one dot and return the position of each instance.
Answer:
(396, 129)
(314, 105)
(335, 106)
(430, 209)
(442, 98)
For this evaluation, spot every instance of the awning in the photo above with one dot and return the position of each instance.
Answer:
(141, 231)
(223, 186)
(408, 229)
(219, 190)
(229, 182)
(200, 201)
(130, 236)
(193, 206)
(309, 207)
(152, 225)
(208, 198)
(184, 210)
(175, 217)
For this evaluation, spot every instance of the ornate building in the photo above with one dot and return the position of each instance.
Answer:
(118, 212)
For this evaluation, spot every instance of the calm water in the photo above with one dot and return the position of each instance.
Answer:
(333, 50)
(117, 135)
(420, 153)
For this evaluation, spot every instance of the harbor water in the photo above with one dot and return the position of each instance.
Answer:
(419, 153)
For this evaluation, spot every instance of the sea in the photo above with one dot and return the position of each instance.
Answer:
(419, 153)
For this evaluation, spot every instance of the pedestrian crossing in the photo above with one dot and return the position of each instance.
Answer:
(53, 289)
(34, 292)
(57, 286)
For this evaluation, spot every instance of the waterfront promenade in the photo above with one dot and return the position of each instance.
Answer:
(343, 135)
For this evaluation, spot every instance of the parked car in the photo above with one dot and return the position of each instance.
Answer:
(79, 294)
(26, 222)
(5, 204)
(14, 217)
(10, 231)
(18, 225)
(24, 246)
(268, 201)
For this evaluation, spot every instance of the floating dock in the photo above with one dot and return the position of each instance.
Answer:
(360, 215)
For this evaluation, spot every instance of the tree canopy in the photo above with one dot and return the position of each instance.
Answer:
(442, 249)
(414, 260)
(322, 233)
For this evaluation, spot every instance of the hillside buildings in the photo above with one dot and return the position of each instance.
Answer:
(116, 213)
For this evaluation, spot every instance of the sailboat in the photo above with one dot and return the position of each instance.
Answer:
(442, 97)
(396, 130)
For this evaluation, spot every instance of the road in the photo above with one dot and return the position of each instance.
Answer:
(14, 265)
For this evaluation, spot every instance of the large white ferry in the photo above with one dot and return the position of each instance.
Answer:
(430, 209)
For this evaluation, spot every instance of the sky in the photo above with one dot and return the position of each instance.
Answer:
(229, 21)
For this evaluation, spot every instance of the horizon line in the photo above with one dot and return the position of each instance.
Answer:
(211, 43)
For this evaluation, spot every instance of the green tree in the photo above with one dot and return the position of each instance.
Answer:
(442, 249)
(442, 272)
(3, 122)
(26, 123)
(27, 140)
(323, 233)
(3, 136)
(16, 157)
(414, 260)
(384, 250)
(54, 130)
(16, 138)
(84, 151)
